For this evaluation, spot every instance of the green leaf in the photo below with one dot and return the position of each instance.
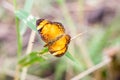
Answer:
(33, 57)
(27, 7)
(19, 38)
(28, 19)
(74, 61)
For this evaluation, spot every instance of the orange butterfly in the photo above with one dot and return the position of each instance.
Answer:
(53, 34)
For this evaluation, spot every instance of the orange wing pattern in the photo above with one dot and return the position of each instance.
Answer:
(53, 33)
(59, 47)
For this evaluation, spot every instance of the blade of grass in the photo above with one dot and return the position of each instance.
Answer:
(27, 7)
(27, 60)
(30, 59)
(74, 61)
(28, 20)
(60, 70)
(19, 42)
(102, 40)
(29, 49)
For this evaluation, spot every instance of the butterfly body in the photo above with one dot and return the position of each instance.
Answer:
(53, 33)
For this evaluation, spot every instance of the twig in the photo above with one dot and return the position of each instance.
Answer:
(16, 76)
(92, 69)
(84, 52)
(29, 49)
(78, 35)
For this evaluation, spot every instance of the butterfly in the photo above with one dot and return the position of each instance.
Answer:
(53, 34)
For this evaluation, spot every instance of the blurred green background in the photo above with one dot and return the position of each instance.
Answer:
(21, 46)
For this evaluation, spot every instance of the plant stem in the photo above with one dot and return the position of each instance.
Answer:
(19, 40)
(92, 69)
(29, 49)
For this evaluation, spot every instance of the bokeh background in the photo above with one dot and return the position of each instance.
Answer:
(98, 21)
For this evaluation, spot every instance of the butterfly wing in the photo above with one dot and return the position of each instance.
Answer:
(53, 33)
(41, 23)
(50, 31)
(59, 47)
(61, 52)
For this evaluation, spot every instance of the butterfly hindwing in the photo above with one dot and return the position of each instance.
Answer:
(60, 45)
